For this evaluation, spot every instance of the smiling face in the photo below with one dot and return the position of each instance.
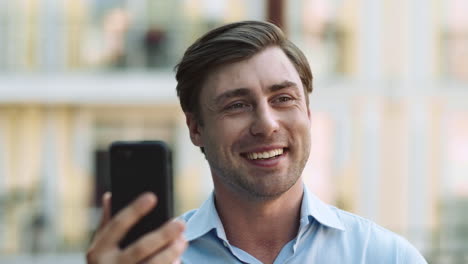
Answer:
(256, 125)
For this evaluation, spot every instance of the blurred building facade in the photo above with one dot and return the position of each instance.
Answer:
(390, 118)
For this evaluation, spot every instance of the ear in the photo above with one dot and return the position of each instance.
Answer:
(194, 129)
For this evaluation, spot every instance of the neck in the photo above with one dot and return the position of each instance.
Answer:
(260, 227)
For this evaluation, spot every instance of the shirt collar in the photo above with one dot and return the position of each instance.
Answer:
(206, 218)
(313, 208)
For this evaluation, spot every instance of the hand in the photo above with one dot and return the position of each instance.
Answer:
(164, 245)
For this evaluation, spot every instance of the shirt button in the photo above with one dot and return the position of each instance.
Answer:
(225, 243)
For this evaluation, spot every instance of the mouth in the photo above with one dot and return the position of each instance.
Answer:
(264, 154)
(265, 157)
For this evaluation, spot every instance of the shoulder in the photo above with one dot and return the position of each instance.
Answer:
(376, 240)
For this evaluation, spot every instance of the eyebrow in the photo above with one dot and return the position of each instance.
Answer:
(285, 84)
(245, 91)
(230, 94)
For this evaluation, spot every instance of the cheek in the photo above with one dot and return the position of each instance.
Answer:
(226, 130)
(298, 122)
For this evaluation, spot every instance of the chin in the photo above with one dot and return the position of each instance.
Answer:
(268, 192)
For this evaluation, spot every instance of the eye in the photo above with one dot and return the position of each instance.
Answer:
(282, 99)
(236, 106)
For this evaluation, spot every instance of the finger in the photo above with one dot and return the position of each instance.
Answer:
(155, 241)
(106, 214)
(126, 218)
(171, 253)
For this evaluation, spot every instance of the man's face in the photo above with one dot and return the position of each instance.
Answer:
(256, 125)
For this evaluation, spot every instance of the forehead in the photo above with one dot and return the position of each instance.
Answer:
(269, 67)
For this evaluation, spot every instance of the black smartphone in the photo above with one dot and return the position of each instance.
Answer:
(137, 167)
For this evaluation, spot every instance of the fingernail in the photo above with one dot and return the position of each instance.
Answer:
(180, 220)
(106, 196)
(180, 224)
(146, 199)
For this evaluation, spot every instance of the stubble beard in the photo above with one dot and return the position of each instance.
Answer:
(258, 188)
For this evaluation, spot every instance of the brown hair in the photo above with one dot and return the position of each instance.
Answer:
(228, 44)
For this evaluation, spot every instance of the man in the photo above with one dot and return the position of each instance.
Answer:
(244, 90)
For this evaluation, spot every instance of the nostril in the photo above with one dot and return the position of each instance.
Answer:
(264, 126)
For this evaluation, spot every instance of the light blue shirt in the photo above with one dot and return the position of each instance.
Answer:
(326, 235)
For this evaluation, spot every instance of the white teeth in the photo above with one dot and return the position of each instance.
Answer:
(264, 155)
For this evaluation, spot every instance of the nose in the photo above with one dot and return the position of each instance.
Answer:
(265, 121)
